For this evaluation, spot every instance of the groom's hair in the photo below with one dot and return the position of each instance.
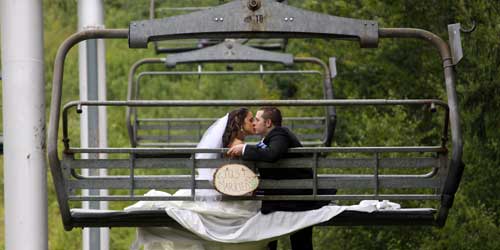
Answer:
(273, 114)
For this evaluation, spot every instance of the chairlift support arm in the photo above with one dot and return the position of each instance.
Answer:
(55, 104)
(456, 165)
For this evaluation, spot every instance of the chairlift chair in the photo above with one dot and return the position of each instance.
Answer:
(187, 131)
(442, 166)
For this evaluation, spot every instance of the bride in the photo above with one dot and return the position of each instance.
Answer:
(211, 224)
(226, 132)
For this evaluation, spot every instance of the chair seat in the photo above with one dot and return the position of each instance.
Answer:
(408, 217)
(156, 218)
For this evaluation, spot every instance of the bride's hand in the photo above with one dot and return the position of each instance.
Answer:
(236, 150)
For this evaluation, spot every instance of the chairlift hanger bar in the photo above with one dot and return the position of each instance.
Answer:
(242, 19)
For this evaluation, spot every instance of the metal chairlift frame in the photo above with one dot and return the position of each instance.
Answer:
(226, 52)
(265, 44)
(447, 167)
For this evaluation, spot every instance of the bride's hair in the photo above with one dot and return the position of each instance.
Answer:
(235, 122)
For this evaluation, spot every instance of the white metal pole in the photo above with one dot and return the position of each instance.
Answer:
(25, 178)
(93, 123)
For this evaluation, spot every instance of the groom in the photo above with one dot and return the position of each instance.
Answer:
(274, 146)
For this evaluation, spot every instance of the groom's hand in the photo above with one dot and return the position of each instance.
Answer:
(236, 150)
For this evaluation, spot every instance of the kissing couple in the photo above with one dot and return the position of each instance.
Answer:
(274, 145)
(244, 224)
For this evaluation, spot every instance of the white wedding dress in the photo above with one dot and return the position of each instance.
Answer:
(210, 224)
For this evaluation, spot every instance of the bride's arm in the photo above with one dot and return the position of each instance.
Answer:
(235, 142)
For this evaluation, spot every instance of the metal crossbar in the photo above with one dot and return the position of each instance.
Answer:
(188, 131)
(430, 176)
(204, 103)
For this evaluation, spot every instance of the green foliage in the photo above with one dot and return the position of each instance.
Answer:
(471, 226)
(397, 70)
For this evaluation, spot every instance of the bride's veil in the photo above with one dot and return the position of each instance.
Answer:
(212, 138)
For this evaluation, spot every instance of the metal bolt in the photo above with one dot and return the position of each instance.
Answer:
(254, 5)
(216, 19)
(433, 107)
(221, 19)
(291, 19)
(286, 19)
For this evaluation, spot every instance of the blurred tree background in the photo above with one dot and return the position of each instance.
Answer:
(397, 69)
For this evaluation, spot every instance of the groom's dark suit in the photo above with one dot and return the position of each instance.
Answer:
(277, 142)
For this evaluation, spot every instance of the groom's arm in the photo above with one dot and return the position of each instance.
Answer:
(275, 150)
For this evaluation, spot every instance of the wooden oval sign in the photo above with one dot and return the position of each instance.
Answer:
(235, 180)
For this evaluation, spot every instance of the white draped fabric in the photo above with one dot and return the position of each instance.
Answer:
(209, 224)
(212, 138)
(221, 225)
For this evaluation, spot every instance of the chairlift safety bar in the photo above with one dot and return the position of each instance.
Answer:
(200, 103)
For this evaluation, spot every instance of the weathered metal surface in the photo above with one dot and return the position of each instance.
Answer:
(262, 197)
(228, 51)
(455, 42)
(324, 182)
(150, 218)
(236, 72)
(180, 163)
(347, 181)
(408, 149)
(178, 46)
(332, 63)
(236, 20)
